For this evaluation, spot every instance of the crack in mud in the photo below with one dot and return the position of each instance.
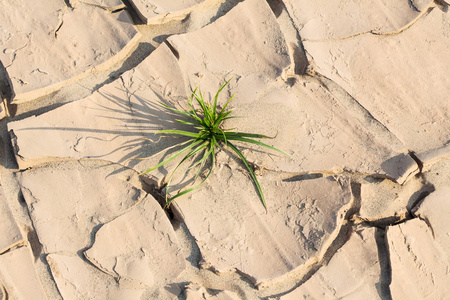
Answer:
(133, 13)
(413, 6)
(417, 160)
(148, 38)
(6, 92)
(353, 106)
(297, 52)
(59, 25)
(91, 261)
(3, 292)
(128, 93)
(341, 236)
(12, 247)
(383, 285)
(242, 285)
(68, 4)
(13, 52)
(424, 13)
(110, 9)
(37, 249)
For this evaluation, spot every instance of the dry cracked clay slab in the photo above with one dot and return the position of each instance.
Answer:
(435, 211)
(110, 124)
(150, 252)
(118, 123)
(10, 232)
(46, 42)
(97, 208)
(234, 232)
(97, 246)
(67, 200)
(77, 279)
(352, 273)
(18, 275)
(253, 53)
(155, 11)
(320, 20)
(406, 93)
(419, 265)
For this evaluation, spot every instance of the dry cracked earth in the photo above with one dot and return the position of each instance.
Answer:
(357, 92)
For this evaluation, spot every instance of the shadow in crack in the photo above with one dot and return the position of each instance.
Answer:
(224, 8)
(399, 166)
(418, 196)
(133, 12)
(382, 286)
(307, 176)
(7, 92)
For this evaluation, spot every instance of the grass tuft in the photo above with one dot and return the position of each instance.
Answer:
(206, 136)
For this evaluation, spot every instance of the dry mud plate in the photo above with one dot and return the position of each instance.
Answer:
(357, 93)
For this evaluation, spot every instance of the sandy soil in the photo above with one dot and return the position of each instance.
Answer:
(356, 92)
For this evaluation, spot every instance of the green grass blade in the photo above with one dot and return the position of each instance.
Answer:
(221, 117)
(226, 104)
(198, 149)
(205, 156)
(190, 154)
(202, 164)
(191, 105)
(201, 102)
(190, 102)
(193, 144)
(250, 135)
(173, 172)
(187, 123)
(192, 188)
(207, 135)
(220, 133)
(252, 173)
(217, 97)
(216, 143)
(237, 138)
(233, 117)
(180, 132)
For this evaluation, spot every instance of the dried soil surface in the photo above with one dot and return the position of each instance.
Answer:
(358, 93)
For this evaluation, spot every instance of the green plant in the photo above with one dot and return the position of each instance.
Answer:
(206, 136)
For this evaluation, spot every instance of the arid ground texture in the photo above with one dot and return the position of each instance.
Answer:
(357, 92)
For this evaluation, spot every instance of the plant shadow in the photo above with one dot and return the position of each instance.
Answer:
(118, 126)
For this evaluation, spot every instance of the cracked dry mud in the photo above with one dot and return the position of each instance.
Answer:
(356, 92)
